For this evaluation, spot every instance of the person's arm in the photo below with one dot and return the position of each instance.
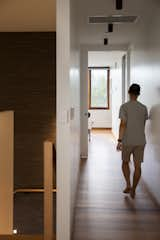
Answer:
(122, 128)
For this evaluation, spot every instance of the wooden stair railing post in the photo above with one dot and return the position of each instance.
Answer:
(48, 193)
(6, 172)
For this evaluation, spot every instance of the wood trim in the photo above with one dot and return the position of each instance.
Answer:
(24, 237)
(32, 190)
(90, 86)
(102, 129)
(48, 190)
(108, 87)
(29, 90)
(6, 171)
(98, 67)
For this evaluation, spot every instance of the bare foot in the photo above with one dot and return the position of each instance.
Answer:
(127, 190)
(132, 193)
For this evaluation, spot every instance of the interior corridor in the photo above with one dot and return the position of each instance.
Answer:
(103, 212)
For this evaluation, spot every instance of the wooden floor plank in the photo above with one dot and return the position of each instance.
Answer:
(23, 237)
(103, 212)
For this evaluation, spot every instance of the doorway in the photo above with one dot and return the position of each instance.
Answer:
(99, 111)
(102, 92)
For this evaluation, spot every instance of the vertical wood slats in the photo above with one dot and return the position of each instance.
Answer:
(28, 86)
(6, 171)
(48, 191)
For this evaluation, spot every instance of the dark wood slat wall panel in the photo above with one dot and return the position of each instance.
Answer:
(28, 86)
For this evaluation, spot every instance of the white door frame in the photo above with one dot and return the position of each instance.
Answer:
(63, 229)
(124, 79)
(125, 76)
(84, 89)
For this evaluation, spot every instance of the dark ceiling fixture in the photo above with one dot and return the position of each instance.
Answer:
(114, 19)
(110, 27)
(119, 4)
(105, 41)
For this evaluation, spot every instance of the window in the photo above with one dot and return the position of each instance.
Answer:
(99, 88)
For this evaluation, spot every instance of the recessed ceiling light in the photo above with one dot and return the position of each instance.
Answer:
(119, 4)
(105, 41)
(110, 27)
(115, 19)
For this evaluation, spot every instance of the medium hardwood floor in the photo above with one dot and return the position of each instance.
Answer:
(103, 212)
(23, 237)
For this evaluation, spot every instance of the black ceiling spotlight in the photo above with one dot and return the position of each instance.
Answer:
(110, 27)
(119, 4)
(105, 41)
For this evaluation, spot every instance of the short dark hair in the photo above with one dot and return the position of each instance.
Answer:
(135, 89)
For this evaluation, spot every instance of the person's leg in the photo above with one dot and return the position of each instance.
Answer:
(126, 173)
(136, 177)
(138, 158)
(126, 153)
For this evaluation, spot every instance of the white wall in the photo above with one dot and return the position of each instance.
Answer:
(84, 100)
(116, 76)
(145, 70)
(74, 104)
(68, 116)
(101, 118)
(63, 123)
(102, 58)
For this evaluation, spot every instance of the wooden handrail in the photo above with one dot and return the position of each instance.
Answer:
(32, 190)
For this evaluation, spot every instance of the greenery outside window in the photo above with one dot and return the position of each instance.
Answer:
(99, 87)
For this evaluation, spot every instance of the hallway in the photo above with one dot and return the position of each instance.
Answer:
(103, 212)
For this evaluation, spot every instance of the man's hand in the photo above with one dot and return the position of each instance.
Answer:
(119, 146)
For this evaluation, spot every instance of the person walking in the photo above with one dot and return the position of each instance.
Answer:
(132, 139)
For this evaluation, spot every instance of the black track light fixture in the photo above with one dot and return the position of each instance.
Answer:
(105, 41)
(110, 27)
(119, 4)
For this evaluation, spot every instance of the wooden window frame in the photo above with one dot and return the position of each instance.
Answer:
(90, 85)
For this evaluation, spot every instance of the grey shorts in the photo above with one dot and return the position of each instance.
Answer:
(136, 151)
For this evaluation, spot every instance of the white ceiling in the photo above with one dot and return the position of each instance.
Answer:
(124, 33)
(27, 15)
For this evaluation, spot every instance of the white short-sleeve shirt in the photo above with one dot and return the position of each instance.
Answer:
(135, 115)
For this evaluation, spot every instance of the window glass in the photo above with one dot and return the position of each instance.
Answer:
(99, 88)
